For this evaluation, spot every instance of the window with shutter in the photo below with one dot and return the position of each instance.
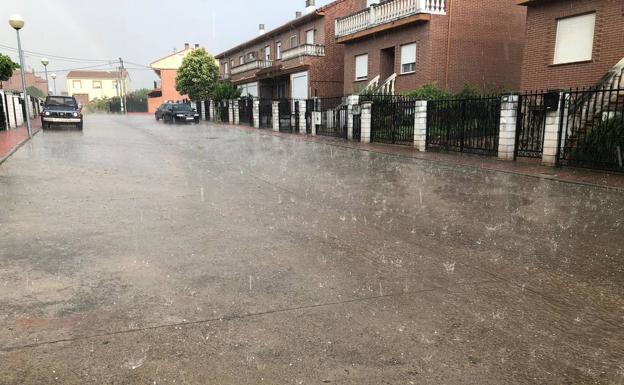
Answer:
(575, 38)
(361, 67)
(408, 58)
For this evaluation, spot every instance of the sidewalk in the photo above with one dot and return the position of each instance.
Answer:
(13, 139)
(523, 166)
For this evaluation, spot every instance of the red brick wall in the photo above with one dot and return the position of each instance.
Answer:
(538, 70)
(15, 82)
(486, 48)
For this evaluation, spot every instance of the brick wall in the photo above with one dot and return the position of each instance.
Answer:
(15, 82)
(486, 48)
(538, 71)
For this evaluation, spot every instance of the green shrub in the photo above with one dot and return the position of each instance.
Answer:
(602, 145)
(429, 92)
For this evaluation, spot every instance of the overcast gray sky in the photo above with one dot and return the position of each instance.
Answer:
(140, 31)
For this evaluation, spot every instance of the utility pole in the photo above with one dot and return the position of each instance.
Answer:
(122, 86)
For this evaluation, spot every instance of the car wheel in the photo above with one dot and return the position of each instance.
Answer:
(79, 125)
(157, 118)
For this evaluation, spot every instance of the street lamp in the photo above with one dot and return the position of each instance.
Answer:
(17, 23)
(45, 63)
(53, 76)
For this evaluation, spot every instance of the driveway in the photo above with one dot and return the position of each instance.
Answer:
(142, 253)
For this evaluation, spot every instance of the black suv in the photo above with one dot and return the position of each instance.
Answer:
(61, 110)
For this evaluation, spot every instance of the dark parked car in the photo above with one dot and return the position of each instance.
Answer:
(161, 110)
(180, 113)
(61, 110)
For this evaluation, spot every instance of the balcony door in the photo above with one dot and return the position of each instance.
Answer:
(299, 85)
(310, 37)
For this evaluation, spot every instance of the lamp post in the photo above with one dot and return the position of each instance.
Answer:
(17, 23)
(53, 76)
(45, 63)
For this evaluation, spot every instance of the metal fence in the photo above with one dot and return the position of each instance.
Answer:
(531, 124)
(288, 115)
(464, 125)
(222, 111)
(334, 117)
(266, 113)
(310, 107)
(392, 119)
(3, 114)
(245, 111)
(592, 129)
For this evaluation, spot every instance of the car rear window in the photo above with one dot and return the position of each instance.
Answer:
(182, 108)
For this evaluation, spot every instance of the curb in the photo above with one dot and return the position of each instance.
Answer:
(316, 139)
(17, 147)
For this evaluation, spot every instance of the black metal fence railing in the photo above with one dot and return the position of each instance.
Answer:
(222, 111)
(531, 124)
(3, 115)
(288, 115)
(310, 107)
(334, 117)
(245, 111)
(357, 127)
(464, 125)
(266, 113)
(199, 107)
(392, 119)
(592, 129)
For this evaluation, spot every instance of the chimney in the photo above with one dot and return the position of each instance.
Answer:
(196, 45)
(298, 14)
(310, 6)
(186, 45)
(261, 29)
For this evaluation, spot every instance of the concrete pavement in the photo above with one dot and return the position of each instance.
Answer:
(138, 252)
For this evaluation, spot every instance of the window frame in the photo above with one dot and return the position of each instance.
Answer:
(313, 36)
(296, 38)
(267, 53)
(412, 71)
(361, 78)
(555, 60)
(79, 82)
(278, 50)
(94, 82)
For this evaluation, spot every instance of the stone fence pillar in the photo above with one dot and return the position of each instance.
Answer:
(276, 122)
(256, 113)
(302, 116)
(231, 112)
(507, 130)
(236, 112)
(352, 101)
(420, 126)
(551, 134)
(366, 122)
(211, 106)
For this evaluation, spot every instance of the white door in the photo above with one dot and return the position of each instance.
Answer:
(299, 85)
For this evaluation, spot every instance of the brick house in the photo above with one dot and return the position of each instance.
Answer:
(166, 69)
(404, 44)
(298, 59)
(15, 82)
(571, 43)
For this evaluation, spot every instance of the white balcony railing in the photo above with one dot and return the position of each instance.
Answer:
(252, 65)
(386, 12)
(304, 50)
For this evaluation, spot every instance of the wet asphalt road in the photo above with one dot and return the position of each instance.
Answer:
(142, 253)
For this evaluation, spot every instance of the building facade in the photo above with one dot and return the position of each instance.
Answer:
(299, 59)
(571, 43)
(400, 45)
(88, 85)
(166, 69)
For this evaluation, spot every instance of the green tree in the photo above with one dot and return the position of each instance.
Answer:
(139, 94)
(7, 66)
(225, 90)
(36, 92)
(429, 92)
(198, 75)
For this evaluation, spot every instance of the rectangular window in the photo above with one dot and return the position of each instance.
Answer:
(251, 55)
(293, 41)
(310, 37)
(226, 70)
(278, 50)
(361, 67)
(267, 53)
(241, 60)
(408, 58)
(77, 84)
(575, 38)
(97, 84)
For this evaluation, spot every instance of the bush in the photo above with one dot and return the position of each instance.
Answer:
(602, 145)
(468, 92)
(225, 90)
(429, 92)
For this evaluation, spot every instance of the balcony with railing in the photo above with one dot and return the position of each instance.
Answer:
(303, 50)
(252, 65)
(387, 12)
